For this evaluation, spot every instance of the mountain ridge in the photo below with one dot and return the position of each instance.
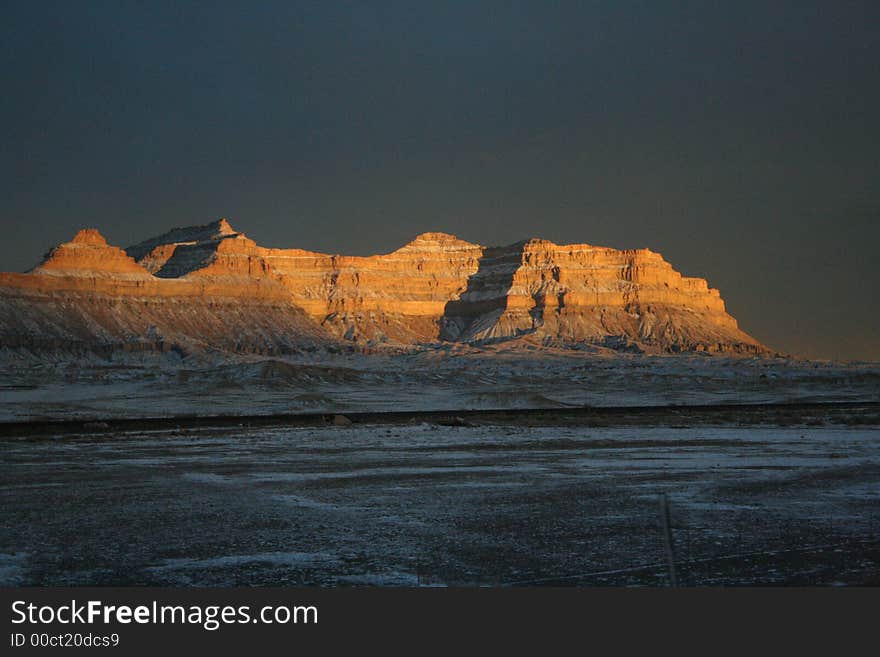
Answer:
(432, 290)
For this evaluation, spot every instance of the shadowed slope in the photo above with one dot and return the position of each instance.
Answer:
(478, 313)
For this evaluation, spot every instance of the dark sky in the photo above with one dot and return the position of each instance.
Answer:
(739, 139)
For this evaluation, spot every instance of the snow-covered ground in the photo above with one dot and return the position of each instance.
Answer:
(422, 504)
(141, 385)
(777, 497)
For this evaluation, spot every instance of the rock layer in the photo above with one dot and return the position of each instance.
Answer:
(434, 289)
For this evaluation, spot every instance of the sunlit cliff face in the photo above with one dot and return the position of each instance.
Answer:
(436, 288)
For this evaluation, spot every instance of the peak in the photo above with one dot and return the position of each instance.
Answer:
(436, 237)
(223, 227)
(88, 254)
(210, 232)
(436, 241)
(536, 241)
(89, 236)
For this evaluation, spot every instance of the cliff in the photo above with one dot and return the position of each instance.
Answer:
(212, 287)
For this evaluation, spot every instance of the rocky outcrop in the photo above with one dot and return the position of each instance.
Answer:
(434, 289)
(581, 293)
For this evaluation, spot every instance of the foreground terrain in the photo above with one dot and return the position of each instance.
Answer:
(500, 376)
(766, 494)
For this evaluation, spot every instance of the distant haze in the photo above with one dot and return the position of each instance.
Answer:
(738, 139)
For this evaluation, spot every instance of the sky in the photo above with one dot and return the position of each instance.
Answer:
(738, 139)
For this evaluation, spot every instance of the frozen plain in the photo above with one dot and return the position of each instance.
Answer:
(461, 377)
(790, 497)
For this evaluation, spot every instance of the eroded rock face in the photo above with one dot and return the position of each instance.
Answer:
(436, 288)
(581, 293)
